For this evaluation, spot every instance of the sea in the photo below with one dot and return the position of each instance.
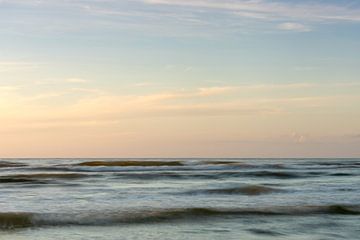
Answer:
(177, 199)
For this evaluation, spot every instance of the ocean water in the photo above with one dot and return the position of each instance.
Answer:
(179, 199)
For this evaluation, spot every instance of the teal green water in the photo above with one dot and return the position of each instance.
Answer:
(179, 198)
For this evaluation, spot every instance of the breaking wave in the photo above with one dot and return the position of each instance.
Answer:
(24, 220)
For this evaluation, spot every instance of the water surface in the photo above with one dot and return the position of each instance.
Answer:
(179, 198)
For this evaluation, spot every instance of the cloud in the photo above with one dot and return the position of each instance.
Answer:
(143, 84)
(200, 18)
(210, 91)
(14, 66)
(208, 110)
(9, 88)
(88, 90)
(298, 138)
(76, 80)
(100, 105)
(292, 26)
(278, 86)
(242, 113)
(264, 9)
(60, 81)
(46, 96)
(73, 105)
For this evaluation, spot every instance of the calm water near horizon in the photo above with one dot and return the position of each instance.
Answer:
(179, 199)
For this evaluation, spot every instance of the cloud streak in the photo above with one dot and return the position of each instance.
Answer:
(191, 17)
(14, 66)
(101, 105)
(264, 9)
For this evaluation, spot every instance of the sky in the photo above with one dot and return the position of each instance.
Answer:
(179, 78)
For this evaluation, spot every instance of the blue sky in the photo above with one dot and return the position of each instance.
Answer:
(65, 65)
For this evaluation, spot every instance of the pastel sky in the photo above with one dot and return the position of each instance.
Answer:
(179, 78)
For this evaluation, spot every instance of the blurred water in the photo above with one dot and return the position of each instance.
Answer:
(179, 198)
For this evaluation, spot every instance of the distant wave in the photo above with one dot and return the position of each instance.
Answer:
(152, 163)
(275, 174)
(47, 176)
(20, 180)
(331, 163)
(202, 174)
(236, 163)
(39, 178)
(130, 163)
(6, 164)
(151, 174)
(250, 190)
(265, 174)
(23, 220)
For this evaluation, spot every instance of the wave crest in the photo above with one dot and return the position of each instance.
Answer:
(23, 220)
(130, 163)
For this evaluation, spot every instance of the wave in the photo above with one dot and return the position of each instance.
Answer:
(130, 163)
(21, 180)
(225, 163)
(264, 173)
(264, 232)
(24, 220)
(6, 164)
(342, 174)
(16, 220)
(180, 175)
(274, 174)
(161, 173)
(153, 175)
(338, 163)
(220, 162)
(331, 165)
(205, 174)
(40, 178)
(158, 174)
(251, 190)
(47, 176)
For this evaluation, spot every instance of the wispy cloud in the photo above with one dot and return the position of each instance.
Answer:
(189, 16)
(230, 101)
(88, 90)
(298, 138)
(235, 113)
(143, 84)
(76, 80)
(209, 91)
(10, 66)
(292, 26)
(9, 88)
(264, 9)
